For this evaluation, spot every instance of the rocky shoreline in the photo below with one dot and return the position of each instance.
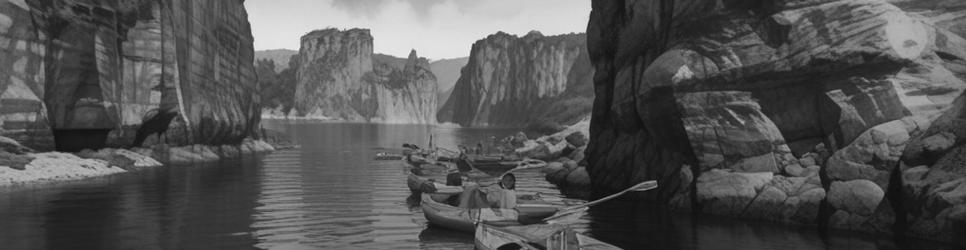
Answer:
(20, 167)
(563, 151)
(817, 189)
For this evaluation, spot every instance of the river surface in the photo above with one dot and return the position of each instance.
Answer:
(330, 194)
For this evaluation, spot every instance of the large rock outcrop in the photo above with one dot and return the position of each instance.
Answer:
(89, 73)
(339, 78)
(848, 106)
(513, 81)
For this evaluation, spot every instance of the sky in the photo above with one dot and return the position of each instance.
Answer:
(436, 29)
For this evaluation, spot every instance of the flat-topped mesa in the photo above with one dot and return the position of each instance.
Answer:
(773, 109)
(339, 78)
(513, 81)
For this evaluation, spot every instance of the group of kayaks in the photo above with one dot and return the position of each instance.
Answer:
(532, 224)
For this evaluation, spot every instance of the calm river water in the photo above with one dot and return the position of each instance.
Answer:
(330, 194)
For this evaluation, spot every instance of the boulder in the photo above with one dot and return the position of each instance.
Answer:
(229, 151)
(14, 161)
(874, 154)
(808, 160)
(559, 149)
(722, 192)
(761, 163)
(570, 164)
(795, 170)
(578, 154)
(12, 146)
(578, 139)
(553, 167)
(535, 150)
(578, 178)
(860, 197)
(769, 204)
(191, 154)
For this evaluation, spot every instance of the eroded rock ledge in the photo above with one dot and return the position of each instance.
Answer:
(842, 114)
(20, 167)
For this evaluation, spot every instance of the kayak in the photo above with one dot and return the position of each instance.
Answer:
(507, 165)
(542, 236)
(440, 213)
(420, 184)
(387, 157)
(416, 160)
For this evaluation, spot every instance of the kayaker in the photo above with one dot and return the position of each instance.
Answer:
(502, 195)
(505, 195)
(463, 163)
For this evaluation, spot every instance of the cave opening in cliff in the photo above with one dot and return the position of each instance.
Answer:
(75, 99)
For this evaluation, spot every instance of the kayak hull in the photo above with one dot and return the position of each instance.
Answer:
(460, 219)
(418, 184)
(464, 220)
(543, 236)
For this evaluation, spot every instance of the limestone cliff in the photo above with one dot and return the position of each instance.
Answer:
(788, 110)
(339, 78)
(512, 81)
(90, 72)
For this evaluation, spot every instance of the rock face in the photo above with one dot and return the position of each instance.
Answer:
(90, 72)
(856, 99)
(513, 81)
(447, 72)
(339, 78)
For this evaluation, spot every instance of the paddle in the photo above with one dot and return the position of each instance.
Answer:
(521, 168)
(640, 187)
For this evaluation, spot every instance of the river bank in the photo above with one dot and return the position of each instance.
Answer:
(817, 189)
(20, 166)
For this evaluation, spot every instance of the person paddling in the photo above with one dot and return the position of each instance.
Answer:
(503, 195)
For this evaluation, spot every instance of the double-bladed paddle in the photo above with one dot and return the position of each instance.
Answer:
(640, 187)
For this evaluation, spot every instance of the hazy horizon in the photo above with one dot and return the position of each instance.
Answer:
(436, 29)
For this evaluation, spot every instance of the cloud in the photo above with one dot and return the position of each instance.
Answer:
(435, 28)
(372, 8)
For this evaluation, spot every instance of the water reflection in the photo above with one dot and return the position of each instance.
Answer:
(331, 194)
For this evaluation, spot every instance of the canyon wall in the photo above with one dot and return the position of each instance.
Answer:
(839, 113)
(513, 81)
(89, 73)
(339, 78)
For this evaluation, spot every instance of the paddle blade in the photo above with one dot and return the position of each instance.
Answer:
(644, 186)
(567, 217)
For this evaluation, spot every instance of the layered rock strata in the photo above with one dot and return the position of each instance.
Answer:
(514, 81)
(339, 78)
(90, 73)
(837, 113)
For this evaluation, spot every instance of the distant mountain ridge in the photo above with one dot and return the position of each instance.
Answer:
(447, 72)
(279, 56)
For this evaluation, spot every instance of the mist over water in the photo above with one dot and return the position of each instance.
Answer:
(331, 194)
